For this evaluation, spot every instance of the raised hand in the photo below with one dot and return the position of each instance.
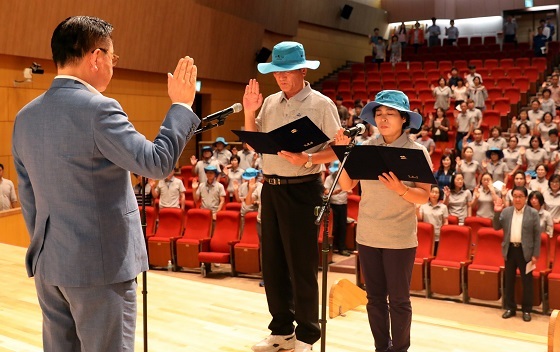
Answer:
(194, 160)
(194, 184)
(446, 191)
(498, 204)
(181, 85)
(458, 161)
(340, 138)
(252, 99)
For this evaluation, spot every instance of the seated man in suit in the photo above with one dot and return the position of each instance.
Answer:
(521, 245)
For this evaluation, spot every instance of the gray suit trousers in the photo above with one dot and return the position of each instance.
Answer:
(88, 319)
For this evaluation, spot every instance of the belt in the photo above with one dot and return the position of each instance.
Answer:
(515, 244)
(279, 180)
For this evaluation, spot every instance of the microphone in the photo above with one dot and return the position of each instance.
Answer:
(223, 113)
(356, 130)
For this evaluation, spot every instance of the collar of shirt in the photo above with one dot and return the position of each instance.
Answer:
(535, 150)
(399, 142)
(519, 212)
(88, 86)
(300, 96)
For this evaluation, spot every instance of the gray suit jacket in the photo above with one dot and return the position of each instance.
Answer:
(73, 151)
(530, 233)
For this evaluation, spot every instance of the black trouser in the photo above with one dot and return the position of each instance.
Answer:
(387, 274)
(515, 260)
(340, 214)
(509, 38)
(291, 258)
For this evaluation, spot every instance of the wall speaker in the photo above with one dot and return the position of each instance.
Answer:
(263, 55)
(346, 12)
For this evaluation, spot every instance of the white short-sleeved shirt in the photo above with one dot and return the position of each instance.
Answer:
(435, 215)
(469, 171)
(534, 157)
(479, 150)
(497, 170)
(339, 198)
(511, 158)
(243, 191)
(552, 203)
(386, 219)
(170, 192)
(485, 208)
(7, 194)
(499, 142)
(201, 164)
(210, 195)
(458, 204)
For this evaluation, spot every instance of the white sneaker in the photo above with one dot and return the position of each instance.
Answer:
(303, 347)
(275, 343)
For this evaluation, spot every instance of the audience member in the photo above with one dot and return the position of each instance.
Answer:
(547, 103)
(534, 155)
(544, 126)
(510, 30)
(373, 40)
(442, 93)
(479, 146)
(474, 113)
(452, 33)
(248, 192)
(521, 244)
(552, 198)
(484, 196)
(452, 77)
(535, 113)
(211, 193)
(478, 93)
(551, 145)
(496, 140)
(426, 141)
(433, 32)
(460, 92)
(380, 50)
(469, 168)
(554, 89)
(395, 49)
(416, 38)
(439, 126)
(402, 35)
(246, 157)
(545, 29)
(540, 182)
(8, 199)
(170, 192)
(536, 200)
(520, 179)
(221, 153)
(435, 213)
(522, 118)
(200, 165)
(552, 29)
(339, 207)
(445, 171)
(464, 123)
(469, 77)
(232, 174)
(495, 166)
(343, 113)
(458, 199)
(539, 42)
(523, 136)
(511, 156)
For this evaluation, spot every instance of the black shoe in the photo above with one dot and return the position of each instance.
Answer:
(508, 314)
(345, 253)
(526, 316)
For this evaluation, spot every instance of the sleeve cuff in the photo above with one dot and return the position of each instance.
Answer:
(185, 105)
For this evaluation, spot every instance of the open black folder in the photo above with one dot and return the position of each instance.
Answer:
(367, 162)
(295, 137)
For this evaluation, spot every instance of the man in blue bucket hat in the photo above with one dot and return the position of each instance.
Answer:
(290, 193)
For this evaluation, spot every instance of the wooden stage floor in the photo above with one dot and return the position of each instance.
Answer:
(219, 313)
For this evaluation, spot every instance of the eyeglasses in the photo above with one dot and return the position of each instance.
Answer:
(114, 57)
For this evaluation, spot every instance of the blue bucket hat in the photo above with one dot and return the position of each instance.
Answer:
(393, 99)
(334, 167)
(495, 150)
(220, 140)
(206, 148)
(287, 56)
(212, 168)
(250, 173)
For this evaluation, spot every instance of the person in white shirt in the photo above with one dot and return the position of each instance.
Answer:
(8, 198)
(452, 33)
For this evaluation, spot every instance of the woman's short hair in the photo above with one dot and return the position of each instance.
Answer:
(538, 195)
(553, 178)
(453, 177)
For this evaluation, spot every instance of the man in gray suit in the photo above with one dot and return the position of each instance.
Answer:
(73, 149)
(521, 245)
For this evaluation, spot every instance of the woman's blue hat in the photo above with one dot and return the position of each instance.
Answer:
(394, 99)
(211, 168)
(250, 173)
(287, 56)
(206, 148)
(220, 140)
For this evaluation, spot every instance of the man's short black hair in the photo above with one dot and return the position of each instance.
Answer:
(520, 188)
(1, 166)
(74, 37)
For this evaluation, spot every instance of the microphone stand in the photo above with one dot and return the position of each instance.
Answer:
(220, 121)
(323, 212)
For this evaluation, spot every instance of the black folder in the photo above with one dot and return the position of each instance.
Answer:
(295, 137)
(367, 162)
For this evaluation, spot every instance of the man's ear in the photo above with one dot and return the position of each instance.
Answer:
(303, 71)
(93, 59)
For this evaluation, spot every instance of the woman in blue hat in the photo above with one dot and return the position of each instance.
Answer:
(386, 232)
